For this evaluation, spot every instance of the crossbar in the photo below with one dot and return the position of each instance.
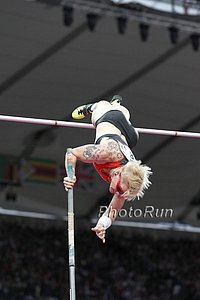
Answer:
(57, 123)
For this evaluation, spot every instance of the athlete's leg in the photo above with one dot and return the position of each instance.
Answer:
(103, 106)
(99, 109)
(103, 128)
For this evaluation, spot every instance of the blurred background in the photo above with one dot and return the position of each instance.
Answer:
(54, 56)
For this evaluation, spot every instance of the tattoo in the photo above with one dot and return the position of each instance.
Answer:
(109, 151)
(114, 152)
(113, 145)
(91, 152)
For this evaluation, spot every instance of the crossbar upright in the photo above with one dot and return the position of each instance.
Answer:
(71, 244)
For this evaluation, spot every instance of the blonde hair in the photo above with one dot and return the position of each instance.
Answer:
(136, 175)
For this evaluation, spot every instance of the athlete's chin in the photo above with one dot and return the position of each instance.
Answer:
(111, 190)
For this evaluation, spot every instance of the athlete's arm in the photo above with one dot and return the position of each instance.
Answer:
(103, 153)
(107, 152)
(112, 211)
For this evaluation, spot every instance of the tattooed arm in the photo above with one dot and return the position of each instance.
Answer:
(107, 152)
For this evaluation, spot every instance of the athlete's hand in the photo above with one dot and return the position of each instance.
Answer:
(69, 183)
(100, 232)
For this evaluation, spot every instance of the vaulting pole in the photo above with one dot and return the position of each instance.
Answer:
(86, 125)
(71, 246)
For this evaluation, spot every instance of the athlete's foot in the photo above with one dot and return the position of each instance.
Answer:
(81, 111)
(116, 99)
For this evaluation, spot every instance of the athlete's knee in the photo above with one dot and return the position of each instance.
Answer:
(100, 108)
(125, 111)
(102, 104)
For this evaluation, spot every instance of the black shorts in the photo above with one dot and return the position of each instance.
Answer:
(118, 119)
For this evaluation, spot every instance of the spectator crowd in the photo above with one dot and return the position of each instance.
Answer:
(34, 265)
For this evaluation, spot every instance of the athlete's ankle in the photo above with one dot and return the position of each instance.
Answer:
(91, 107)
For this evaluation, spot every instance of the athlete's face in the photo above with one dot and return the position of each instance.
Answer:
(116, 186)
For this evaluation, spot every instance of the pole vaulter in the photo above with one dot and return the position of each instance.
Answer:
(112, 157)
